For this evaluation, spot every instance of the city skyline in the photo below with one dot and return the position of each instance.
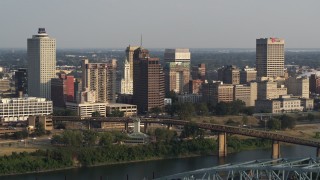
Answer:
(185, 24)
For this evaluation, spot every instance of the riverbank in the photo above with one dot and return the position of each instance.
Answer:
(70, 158)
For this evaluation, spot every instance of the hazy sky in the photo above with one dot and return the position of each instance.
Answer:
(163, 23)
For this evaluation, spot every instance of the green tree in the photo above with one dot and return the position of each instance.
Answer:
(310, 117)
(89, 137)
(96, 114)
(185, 111)
(106, 139)
(274, 124)
(244, 120)
(201, 109)
(287, 122)
(156, 110)
(173, 96)
(40, 130)
(116, 113)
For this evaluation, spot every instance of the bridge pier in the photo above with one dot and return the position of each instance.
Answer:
(222, 144)
(318, 152)
(275, 150)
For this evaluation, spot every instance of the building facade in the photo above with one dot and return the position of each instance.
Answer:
(270, 90)
(229, 75)
(248, 75)
(199, 72)
(314, 84)
(215, 92)
(246, 93)
(177, 70)
(298, 86)
(148, 81)
(100, 78)
(19, 109)
(270, 57)
(21, 81)
(62, 90)
(41, 64)
(127, 81)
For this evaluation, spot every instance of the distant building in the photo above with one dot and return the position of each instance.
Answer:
(46, 121)
(215, 92)
(101, 78)
(62, 90)
(21, 81)
(314, 84)
(195, 86)
(199, 72)
(229, 75)
(41, 64)
(247, 75)
(127, 81)
(148, 81)
(284, 104)
(19, 109)
(270, 90)
(87, 108)
(246, 93)
(4, 85)
(298, 86)
(129, 54)
(177, 70)
(270, 57)
(192, 98)
(128, 109)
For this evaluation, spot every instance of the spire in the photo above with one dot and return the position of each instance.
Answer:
(141, 41)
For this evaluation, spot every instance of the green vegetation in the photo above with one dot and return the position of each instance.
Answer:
(235, 144)
(281, 122)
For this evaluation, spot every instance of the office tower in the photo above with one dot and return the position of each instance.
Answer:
(270, 90)
(41, 64)
(21, 81)
(129, 54)
(248, 74)
(77, 89)
(177, 70)
(148, 81)
(246, 93)
(215, 92)
(314, 84)
(199, 72)
(298, 86)
(270, 57)
(195, 86)
(62, 90)
(127, 81)
(229, 74)
(100, 78)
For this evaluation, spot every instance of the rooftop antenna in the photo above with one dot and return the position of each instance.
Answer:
(141, 41)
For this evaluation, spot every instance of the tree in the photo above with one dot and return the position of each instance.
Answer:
(310, 117)
(40, 130)
(106, 139)
(287, 122)
(244, 120)
(192, 130)
(116, 113)
(274, 124)
(89, 138)
(96, 114)
(201, 109)
(185, 111)
(156, 110)
(173, 96)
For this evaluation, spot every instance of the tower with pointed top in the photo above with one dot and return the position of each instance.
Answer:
(127, 80)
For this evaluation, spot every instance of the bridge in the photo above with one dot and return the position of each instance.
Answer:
(277, 169)
(221, 129)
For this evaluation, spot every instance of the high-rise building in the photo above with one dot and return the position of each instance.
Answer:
(177, 70)
(215, 92)
(229, 74)
(41, 64)
(199, 72)
(246, 93)
(247, 75)
(127, 81)
(62, 90)
(270, 57)
(298, 86)
(148, 81)
(21, 81)
(314, 84)
(100, 78)
(270, 90)
(129, 54)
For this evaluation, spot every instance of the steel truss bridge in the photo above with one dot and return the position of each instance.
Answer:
(278, 169)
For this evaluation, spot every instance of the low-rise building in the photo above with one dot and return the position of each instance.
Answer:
(45, 121)
(87, 108)
(127, 109)
(19, 109)
(283, 104)
(246, 93)
(192, 98)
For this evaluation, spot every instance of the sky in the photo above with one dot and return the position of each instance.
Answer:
(162, 23)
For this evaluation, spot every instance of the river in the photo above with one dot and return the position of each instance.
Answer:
(159, 168)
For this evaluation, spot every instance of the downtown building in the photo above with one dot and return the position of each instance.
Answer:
(100, 78)
(270, 57)
(177, 70)
(127, 81)
(21, 81)
(229, 74)
(62, 90)
(41, 64)
(148, 81)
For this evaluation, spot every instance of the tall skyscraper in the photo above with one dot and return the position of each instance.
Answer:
(129, 53)
(100, 78)
(127, 80)
(177, 70)
(21, 81)
(41, 64)
(62, 90)
(148, 81)
(270, 57)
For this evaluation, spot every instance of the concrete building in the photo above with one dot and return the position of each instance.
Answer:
(148, 81)
(19, 109)
(283, 104)
(195, 86)
(129, 54)
(41, 64)
(5, 85)
(100, 78)
(298, 86)
(229, 75)
(128, 109)
(248, 74)
(192, 98)
(199, 72)
(314, 84)
(215, 92)
(127, 80)
(62, 90)
(177, 70)
(307, 104)
(46, 121)
(270, 57)
(270, 90)
(246, 93)
(21, 81)
(86, 109)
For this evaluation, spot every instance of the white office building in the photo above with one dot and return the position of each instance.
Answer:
(41, 64)
(19, 109)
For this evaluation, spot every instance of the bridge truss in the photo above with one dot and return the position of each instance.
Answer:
(278, 169)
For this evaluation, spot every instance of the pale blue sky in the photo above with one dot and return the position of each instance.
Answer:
(163, 23)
